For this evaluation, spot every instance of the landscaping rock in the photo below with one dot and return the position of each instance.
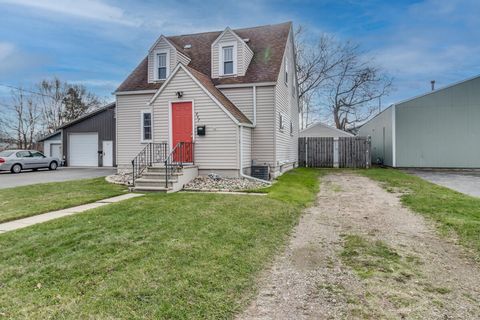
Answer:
(122, 177)
(217, 183)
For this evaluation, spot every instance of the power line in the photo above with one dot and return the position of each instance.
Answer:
(26, 90)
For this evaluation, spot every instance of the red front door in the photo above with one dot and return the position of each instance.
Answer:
(182, 131)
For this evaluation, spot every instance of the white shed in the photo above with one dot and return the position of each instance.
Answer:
(322, 130)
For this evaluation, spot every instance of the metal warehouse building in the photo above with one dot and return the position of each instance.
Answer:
(440, 129)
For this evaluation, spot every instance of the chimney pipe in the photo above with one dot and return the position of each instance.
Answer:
(433, 85)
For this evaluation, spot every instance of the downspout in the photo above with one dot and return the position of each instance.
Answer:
(254, 106)
(241, 160)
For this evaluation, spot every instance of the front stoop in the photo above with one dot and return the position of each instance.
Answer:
(153, 179)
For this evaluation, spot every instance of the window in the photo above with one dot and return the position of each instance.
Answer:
(146, 126)
(162, 66)
(291, 128)
(281, 122)
(228, 60)
(286, 71)
(37, 154)
(23, 154)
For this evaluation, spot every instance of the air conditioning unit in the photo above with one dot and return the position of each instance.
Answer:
(261, 172)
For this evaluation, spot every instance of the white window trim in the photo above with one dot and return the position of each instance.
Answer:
(221, 45)
(285, 71)
(155, 57)
(142, 140)
(281, 121)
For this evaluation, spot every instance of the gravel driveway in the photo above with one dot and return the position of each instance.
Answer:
(9, 180)
(465, 181)
(414, 273)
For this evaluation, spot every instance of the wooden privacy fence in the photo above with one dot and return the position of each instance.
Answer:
(343, 152)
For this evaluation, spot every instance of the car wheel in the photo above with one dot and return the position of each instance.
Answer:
(16, 168)
(53, 166)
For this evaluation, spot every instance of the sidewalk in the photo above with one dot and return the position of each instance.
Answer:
(26, 222)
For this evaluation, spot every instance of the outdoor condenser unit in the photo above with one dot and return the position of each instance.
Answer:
(261, 172)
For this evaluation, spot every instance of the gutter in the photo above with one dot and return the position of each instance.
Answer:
(241, 161)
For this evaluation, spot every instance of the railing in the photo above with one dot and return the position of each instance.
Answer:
(152, 153)
(182, 153)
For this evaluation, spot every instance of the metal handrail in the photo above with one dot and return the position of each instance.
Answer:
(151, 154)
(180, 154)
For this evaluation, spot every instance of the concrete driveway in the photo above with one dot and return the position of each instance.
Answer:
(9, 180)
(465, 181)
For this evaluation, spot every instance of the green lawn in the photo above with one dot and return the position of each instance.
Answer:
(161, 256)
(21, 202)
(452, 210)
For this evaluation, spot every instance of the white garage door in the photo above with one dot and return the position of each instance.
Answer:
(83, 149)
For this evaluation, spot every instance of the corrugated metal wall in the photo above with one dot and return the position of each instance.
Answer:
(441, 129)
(103, 123)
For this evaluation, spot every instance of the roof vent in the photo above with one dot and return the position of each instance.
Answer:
(187, 46)
(246, 40)
(433, 85)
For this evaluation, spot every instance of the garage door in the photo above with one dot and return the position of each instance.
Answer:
(83, 149)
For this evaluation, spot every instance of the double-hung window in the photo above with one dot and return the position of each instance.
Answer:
(146, 126)
(162, 66)
(227, 60)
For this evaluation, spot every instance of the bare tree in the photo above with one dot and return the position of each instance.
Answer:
(356, 88)
(23, 123)
(63, 102)
(337, 77)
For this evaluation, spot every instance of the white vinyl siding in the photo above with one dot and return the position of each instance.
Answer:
(243, 54)
(246, 147)
(218, 149)
(129, 110)
(263, 150)
(286, 144)
(242, 98)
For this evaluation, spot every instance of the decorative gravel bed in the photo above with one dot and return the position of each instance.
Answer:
(216, 183)
(124, 178)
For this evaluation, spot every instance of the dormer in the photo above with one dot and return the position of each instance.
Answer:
(163, 57)
(231, 55)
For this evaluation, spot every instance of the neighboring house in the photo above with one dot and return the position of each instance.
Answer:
(322, 130)
(88, 141)
(233, 93)
(52, 145)
(439, 129)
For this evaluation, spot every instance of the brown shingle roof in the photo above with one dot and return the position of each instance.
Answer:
(208, 84)
(267, 43)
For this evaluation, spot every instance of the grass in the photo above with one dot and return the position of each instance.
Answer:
(369, 258)
(453, 211)
(299, 186)
(161, 256)
(21, 202)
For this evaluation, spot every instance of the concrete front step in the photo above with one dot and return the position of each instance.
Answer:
(151, 189)
(159, 175)
(144, 182)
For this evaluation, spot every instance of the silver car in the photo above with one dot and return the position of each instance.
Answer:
(18, 160)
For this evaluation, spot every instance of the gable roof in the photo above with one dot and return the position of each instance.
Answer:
(267, 43)
(88, 115)
(326, 127)
(206, 84)
(48, 136)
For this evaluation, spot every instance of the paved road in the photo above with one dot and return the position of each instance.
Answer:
(8, 180)
(465, 181)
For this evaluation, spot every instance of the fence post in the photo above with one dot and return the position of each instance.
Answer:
(335, 152)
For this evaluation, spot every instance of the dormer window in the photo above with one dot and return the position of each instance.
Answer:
(228, 59)
(161, 65)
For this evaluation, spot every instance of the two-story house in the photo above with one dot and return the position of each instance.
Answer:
(228, 98)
